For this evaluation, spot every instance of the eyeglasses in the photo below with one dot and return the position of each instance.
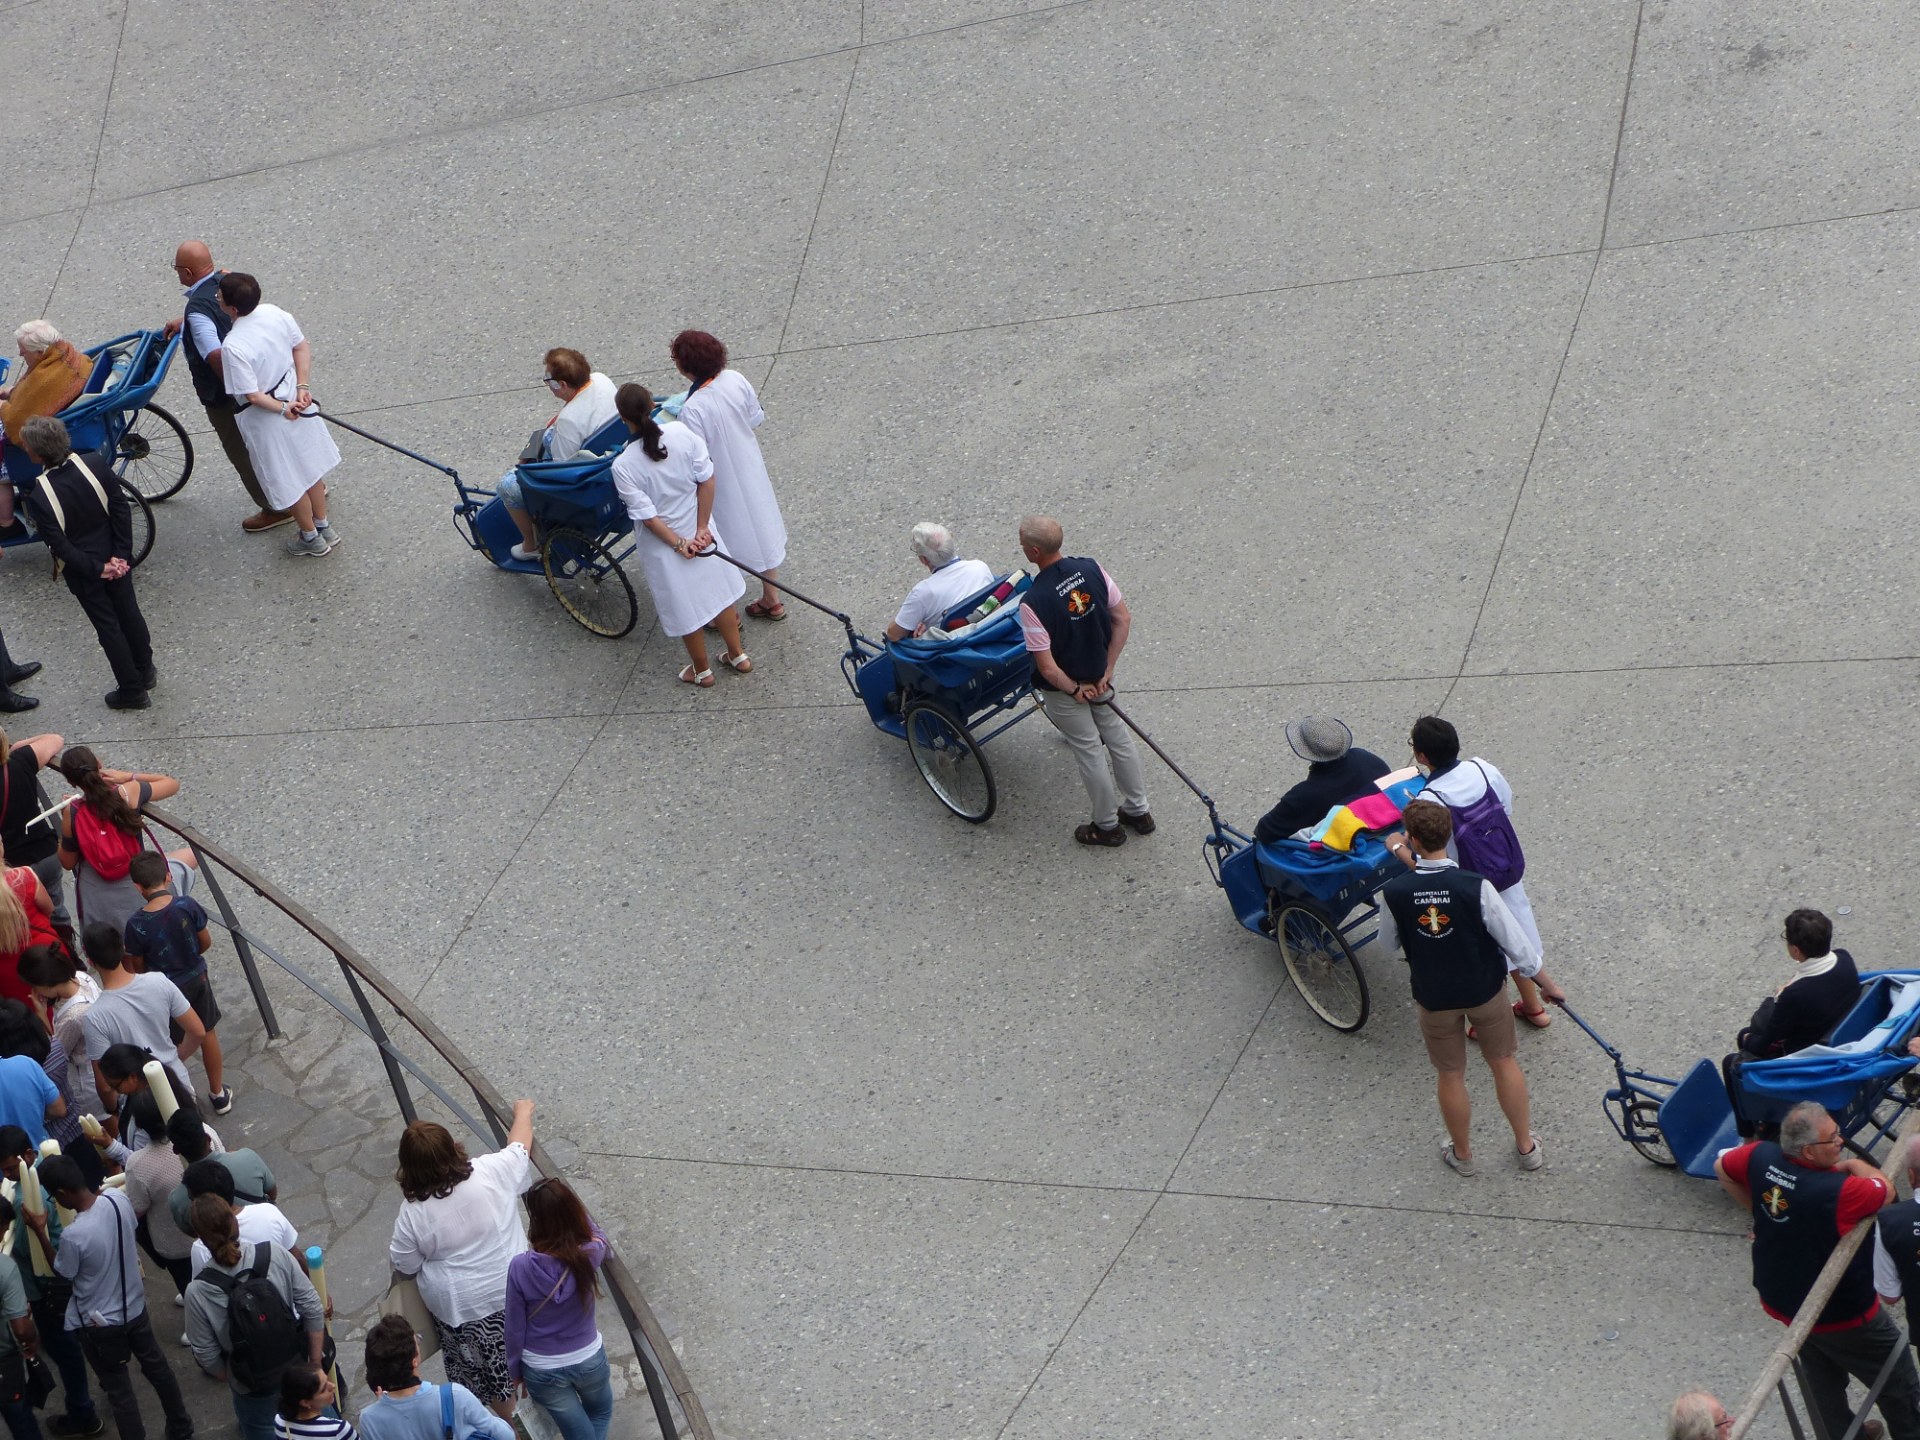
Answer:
(551, 382)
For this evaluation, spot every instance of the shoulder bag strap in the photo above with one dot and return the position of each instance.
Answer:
(446, 1410)
(53, 501)
(119, 1254)
(93, 480)
(550, 1294)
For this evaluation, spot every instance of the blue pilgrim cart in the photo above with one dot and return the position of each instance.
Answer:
(1862, 1071)
(152, 455)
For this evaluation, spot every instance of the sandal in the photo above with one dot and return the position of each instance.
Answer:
(704, 679)
(742, 665)
(1539, 1019)
(761, 610)
(1092, 834)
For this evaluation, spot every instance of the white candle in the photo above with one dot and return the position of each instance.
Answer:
(156, 1074)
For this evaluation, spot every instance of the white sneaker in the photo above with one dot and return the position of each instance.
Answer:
(521, 552)
(180, 1300)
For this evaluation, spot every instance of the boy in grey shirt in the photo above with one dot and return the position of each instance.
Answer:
(135, 1009)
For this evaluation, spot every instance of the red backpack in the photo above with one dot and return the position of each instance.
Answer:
(104, 846)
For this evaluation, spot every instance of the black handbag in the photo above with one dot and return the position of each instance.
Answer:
(24, 1379)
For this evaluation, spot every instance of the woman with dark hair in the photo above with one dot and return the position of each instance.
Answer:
(666, 482)
(256, 1398)
(102, 831)
(125, 1069)
(554, 1348)
(723, 411)
(309, 1406)
(22, 798)
(458, 1230)
(265, 361)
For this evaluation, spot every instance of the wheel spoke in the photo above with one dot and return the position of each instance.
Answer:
(589, 583)
(949, 760)
(1322, 967)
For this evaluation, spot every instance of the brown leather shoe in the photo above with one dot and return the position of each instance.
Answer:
(261, 520)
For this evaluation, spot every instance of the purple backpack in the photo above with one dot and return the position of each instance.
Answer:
(1483, 836)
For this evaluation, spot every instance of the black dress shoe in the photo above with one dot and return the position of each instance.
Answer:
(126, 700)
(13, 704)
(16, 673)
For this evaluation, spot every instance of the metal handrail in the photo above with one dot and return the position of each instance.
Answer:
(1786, 1354)
(650, 1343)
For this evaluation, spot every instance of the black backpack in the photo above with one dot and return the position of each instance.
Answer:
(263, 1333)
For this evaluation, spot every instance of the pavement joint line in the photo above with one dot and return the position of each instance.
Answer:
(819, 203)
(1560, 370)
(552, 798)
(849, 704)
(389, 142)
(1737, 230)
(99, 148)
(1175, 1191)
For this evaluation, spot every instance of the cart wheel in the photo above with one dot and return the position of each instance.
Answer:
(949, 760)
(589, 583)
(142, 517)
(155, 455)
(1321, 965)
(1643, 1133)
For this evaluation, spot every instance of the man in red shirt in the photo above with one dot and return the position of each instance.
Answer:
(1805, 1192)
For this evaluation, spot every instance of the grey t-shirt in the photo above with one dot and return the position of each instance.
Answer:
(13, 1303)
(136, 1014)
(86, 1256)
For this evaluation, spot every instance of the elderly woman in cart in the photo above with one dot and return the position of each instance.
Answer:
(55, 375)
(722, 409)
(266, 364)
(665, 478)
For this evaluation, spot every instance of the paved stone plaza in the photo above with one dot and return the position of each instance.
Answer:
(1546, 364)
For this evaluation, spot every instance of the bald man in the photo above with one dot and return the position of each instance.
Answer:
(206, 325)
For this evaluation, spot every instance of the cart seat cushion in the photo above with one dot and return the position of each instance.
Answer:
(946, 632)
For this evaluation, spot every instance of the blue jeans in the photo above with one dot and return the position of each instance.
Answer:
(255, 1414)
(578, 1397)
(20, 1422)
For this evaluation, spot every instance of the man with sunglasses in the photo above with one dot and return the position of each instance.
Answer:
(1804, 1193)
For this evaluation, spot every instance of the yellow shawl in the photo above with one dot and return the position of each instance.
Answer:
(51, 383)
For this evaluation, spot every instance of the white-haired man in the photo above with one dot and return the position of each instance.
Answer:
(1805, 1192)
(949, 580)
(1698, 1416)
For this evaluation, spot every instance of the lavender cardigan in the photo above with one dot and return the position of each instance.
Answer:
(548, 1326)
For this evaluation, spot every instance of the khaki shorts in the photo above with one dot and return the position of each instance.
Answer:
(1445, 1032)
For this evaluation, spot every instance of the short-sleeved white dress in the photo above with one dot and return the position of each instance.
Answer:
(288, 455)
(724, 413)
(686, 593)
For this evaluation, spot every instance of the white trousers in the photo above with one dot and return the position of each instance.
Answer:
(1104, 749)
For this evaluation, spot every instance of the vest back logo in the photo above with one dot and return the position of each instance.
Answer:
(1433, 922)
(1774, 1201)
(1079, 603)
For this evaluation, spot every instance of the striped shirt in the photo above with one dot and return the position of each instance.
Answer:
(326, 1427)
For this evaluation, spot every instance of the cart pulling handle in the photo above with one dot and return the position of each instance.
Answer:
(1186, 779)
(1575, 1016)
(366, 435)
(717, 553)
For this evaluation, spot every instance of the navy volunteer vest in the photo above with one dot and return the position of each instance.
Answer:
(1900, 1233)
(205, 300)
(1796, 1224)
(1070, 599)
(1452, 959)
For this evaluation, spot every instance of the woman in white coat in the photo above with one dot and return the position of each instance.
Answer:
(265, 362)
(665, 477)
(724, 412)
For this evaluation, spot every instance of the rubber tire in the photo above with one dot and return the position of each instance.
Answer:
(1647, 1114)
(947, 742)
(571, 550)
(1294, 927)
(158, 441)
(142, 518)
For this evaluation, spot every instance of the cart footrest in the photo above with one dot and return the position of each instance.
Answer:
(1697, 1122)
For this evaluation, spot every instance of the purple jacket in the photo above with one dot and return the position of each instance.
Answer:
(545, 1319)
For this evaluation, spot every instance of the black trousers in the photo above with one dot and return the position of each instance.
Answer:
(109, 1355)
(115, 613)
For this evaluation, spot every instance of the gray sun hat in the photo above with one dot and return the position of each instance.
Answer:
(1319, 737)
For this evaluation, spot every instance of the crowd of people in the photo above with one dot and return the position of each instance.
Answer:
(109, 1149)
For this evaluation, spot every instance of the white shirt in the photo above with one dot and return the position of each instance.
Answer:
(200, 328)
(257, 1222)
(1523, 956)
(941, 591)
(580, 417)
(461, 1244)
